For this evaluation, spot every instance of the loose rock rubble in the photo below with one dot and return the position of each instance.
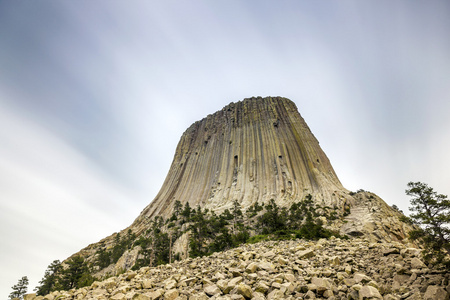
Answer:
(353, 269)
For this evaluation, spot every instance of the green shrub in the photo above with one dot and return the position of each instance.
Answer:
(258, 238)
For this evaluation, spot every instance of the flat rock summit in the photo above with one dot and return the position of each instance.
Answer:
(254, 152)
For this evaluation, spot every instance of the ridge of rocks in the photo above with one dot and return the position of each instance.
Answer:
(296, 269)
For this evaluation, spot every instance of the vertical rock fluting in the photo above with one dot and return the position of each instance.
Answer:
(254, 150)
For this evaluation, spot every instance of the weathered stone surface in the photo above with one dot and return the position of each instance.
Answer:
(171, 294)
(417, 263)
(275, 294)
(245, 290)
(391, 251)
(287, 288)
(289, 277)
(322, 284)
(212, 290)
(267, 266)
(236, 280)
(118, 296)
(334, 261)
(127, 260)
(141, 297)
(305, 254)
(170, 285)
(147, 284)
(156, 294)
(261, 287)
(252, 268)
(328, 294)
(258, 296)
(434, 292)
(310, 295)
(199, 296)
(369, 292)
(361, 278)
(222, 285)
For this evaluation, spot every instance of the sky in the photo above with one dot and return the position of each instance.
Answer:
(95, 95)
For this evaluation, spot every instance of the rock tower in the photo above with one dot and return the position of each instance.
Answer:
(250, 151)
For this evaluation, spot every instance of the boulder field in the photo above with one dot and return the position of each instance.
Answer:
(295, 269)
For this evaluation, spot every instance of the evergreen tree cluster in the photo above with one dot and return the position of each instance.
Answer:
(301, 220)
(74, 274)
(121, 244)
(210, 233)
(156, 244)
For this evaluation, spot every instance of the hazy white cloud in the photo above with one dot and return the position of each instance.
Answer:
(51, 199)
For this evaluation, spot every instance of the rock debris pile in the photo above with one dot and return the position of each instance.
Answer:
(298, 269)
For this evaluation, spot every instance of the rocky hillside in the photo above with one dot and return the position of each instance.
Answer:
(296, 269)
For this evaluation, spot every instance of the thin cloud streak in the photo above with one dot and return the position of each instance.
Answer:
(52, 198)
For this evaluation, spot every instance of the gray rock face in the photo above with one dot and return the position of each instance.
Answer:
(435, 292)
(369, 292)
(254, 150)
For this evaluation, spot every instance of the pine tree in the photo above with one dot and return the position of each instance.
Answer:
(272, 220)
(177, 208)
(50, 281)
(199, 233)
(237, 215)
(432, 215)
(186, 213)
(20, 288)
(72, 275)
(223, 241)
(103, 258)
